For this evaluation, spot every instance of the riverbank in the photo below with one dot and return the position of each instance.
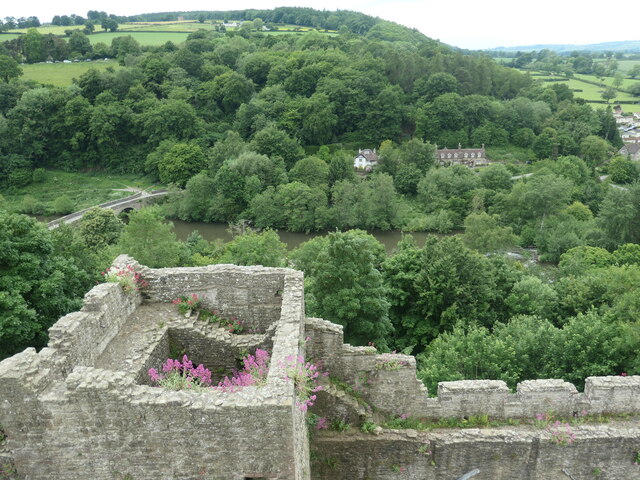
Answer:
(213, 231)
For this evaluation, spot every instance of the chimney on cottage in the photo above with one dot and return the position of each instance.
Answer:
(459, 146)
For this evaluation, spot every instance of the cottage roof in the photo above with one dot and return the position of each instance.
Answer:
(631, 148)
(460, 152)
(368, 154)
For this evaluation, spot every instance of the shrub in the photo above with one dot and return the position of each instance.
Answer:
(340, 425)
(187, 303)
(130, 280)
(368, 427)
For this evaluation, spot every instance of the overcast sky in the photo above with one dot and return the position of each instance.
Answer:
(470, 24)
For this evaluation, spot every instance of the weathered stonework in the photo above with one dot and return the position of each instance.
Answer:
(82, 407)
(398, 390)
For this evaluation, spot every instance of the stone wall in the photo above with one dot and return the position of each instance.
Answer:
(81, 337)
(389, 383)
(508, 453)
(223, 288)
(80, 408)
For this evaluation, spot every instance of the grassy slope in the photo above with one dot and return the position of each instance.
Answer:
(62, 74)
(144, 38)
(8, 36)
(84, 189)
(623, 65)
(592, 92)
(146, 26)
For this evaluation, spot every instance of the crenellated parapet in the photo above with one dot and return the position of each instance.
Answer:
(389, 382)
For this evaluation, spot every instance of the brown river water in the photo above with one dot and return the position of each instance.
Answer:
(213, 231)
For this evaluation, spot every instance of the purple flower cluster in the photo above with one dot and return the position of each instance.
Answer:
(254, 372)
(130, 280)
(178, 375)
(561, 433)
(322, 423)
(390, 361)
(183, 375)
(304, 375)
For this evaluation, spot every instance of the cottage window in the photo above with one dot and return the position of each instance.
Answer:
(473, 155)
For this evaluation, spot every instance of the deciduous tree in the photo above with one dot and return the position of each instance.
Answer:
(9, 68)
(347, 287)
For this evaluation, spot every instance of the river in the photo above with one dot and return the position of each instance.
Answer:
(212, 231)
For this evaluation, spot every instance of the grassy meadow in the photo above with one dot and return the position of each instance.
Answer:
(143, 38)
(83, 189)
(591, 93)
(623, 65)
(62, 74)
(608, 81)
(186, 26)
(174, 26)
(4, 37)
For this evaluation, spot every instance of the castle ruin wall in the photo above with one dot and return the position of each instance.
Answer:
(507, 453)
(397, 390)
(82, 407)
(73, 412)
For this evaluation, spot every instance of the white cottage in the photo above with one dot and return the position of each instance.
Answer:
(366, 159)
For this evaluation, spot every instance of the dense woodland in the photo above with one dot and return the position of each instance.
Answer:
(261, 129)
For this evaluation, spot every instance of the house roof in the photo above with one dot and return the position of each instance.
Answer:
(368, 154)
(631, 148)
(460, 152)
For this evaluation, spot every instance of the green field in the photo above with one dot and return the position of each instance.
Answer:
(592, 92)
(8, 36)
(46, 29)
(151, 26)
(143, 38)
(84, 189)
(62, 74)
(623, 65)
(608, 81)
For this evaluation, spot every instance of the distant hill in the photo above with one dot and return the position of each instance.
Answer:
(630, 46)
(355, 22)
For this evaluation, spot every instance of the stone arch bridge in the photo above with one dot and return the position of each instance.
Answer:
(133, 202)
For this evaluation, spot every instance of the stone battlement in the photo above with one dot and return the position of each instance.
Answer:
(83, 408)
(389, 382)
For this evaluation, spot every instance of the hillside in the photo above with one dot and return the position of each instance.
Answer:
(629, 46)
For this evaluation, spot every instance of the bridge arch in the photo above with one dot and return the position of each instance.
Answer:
(132, 202)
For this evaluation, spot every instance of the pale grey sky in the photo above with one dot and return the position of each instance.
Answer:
(464, 23)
